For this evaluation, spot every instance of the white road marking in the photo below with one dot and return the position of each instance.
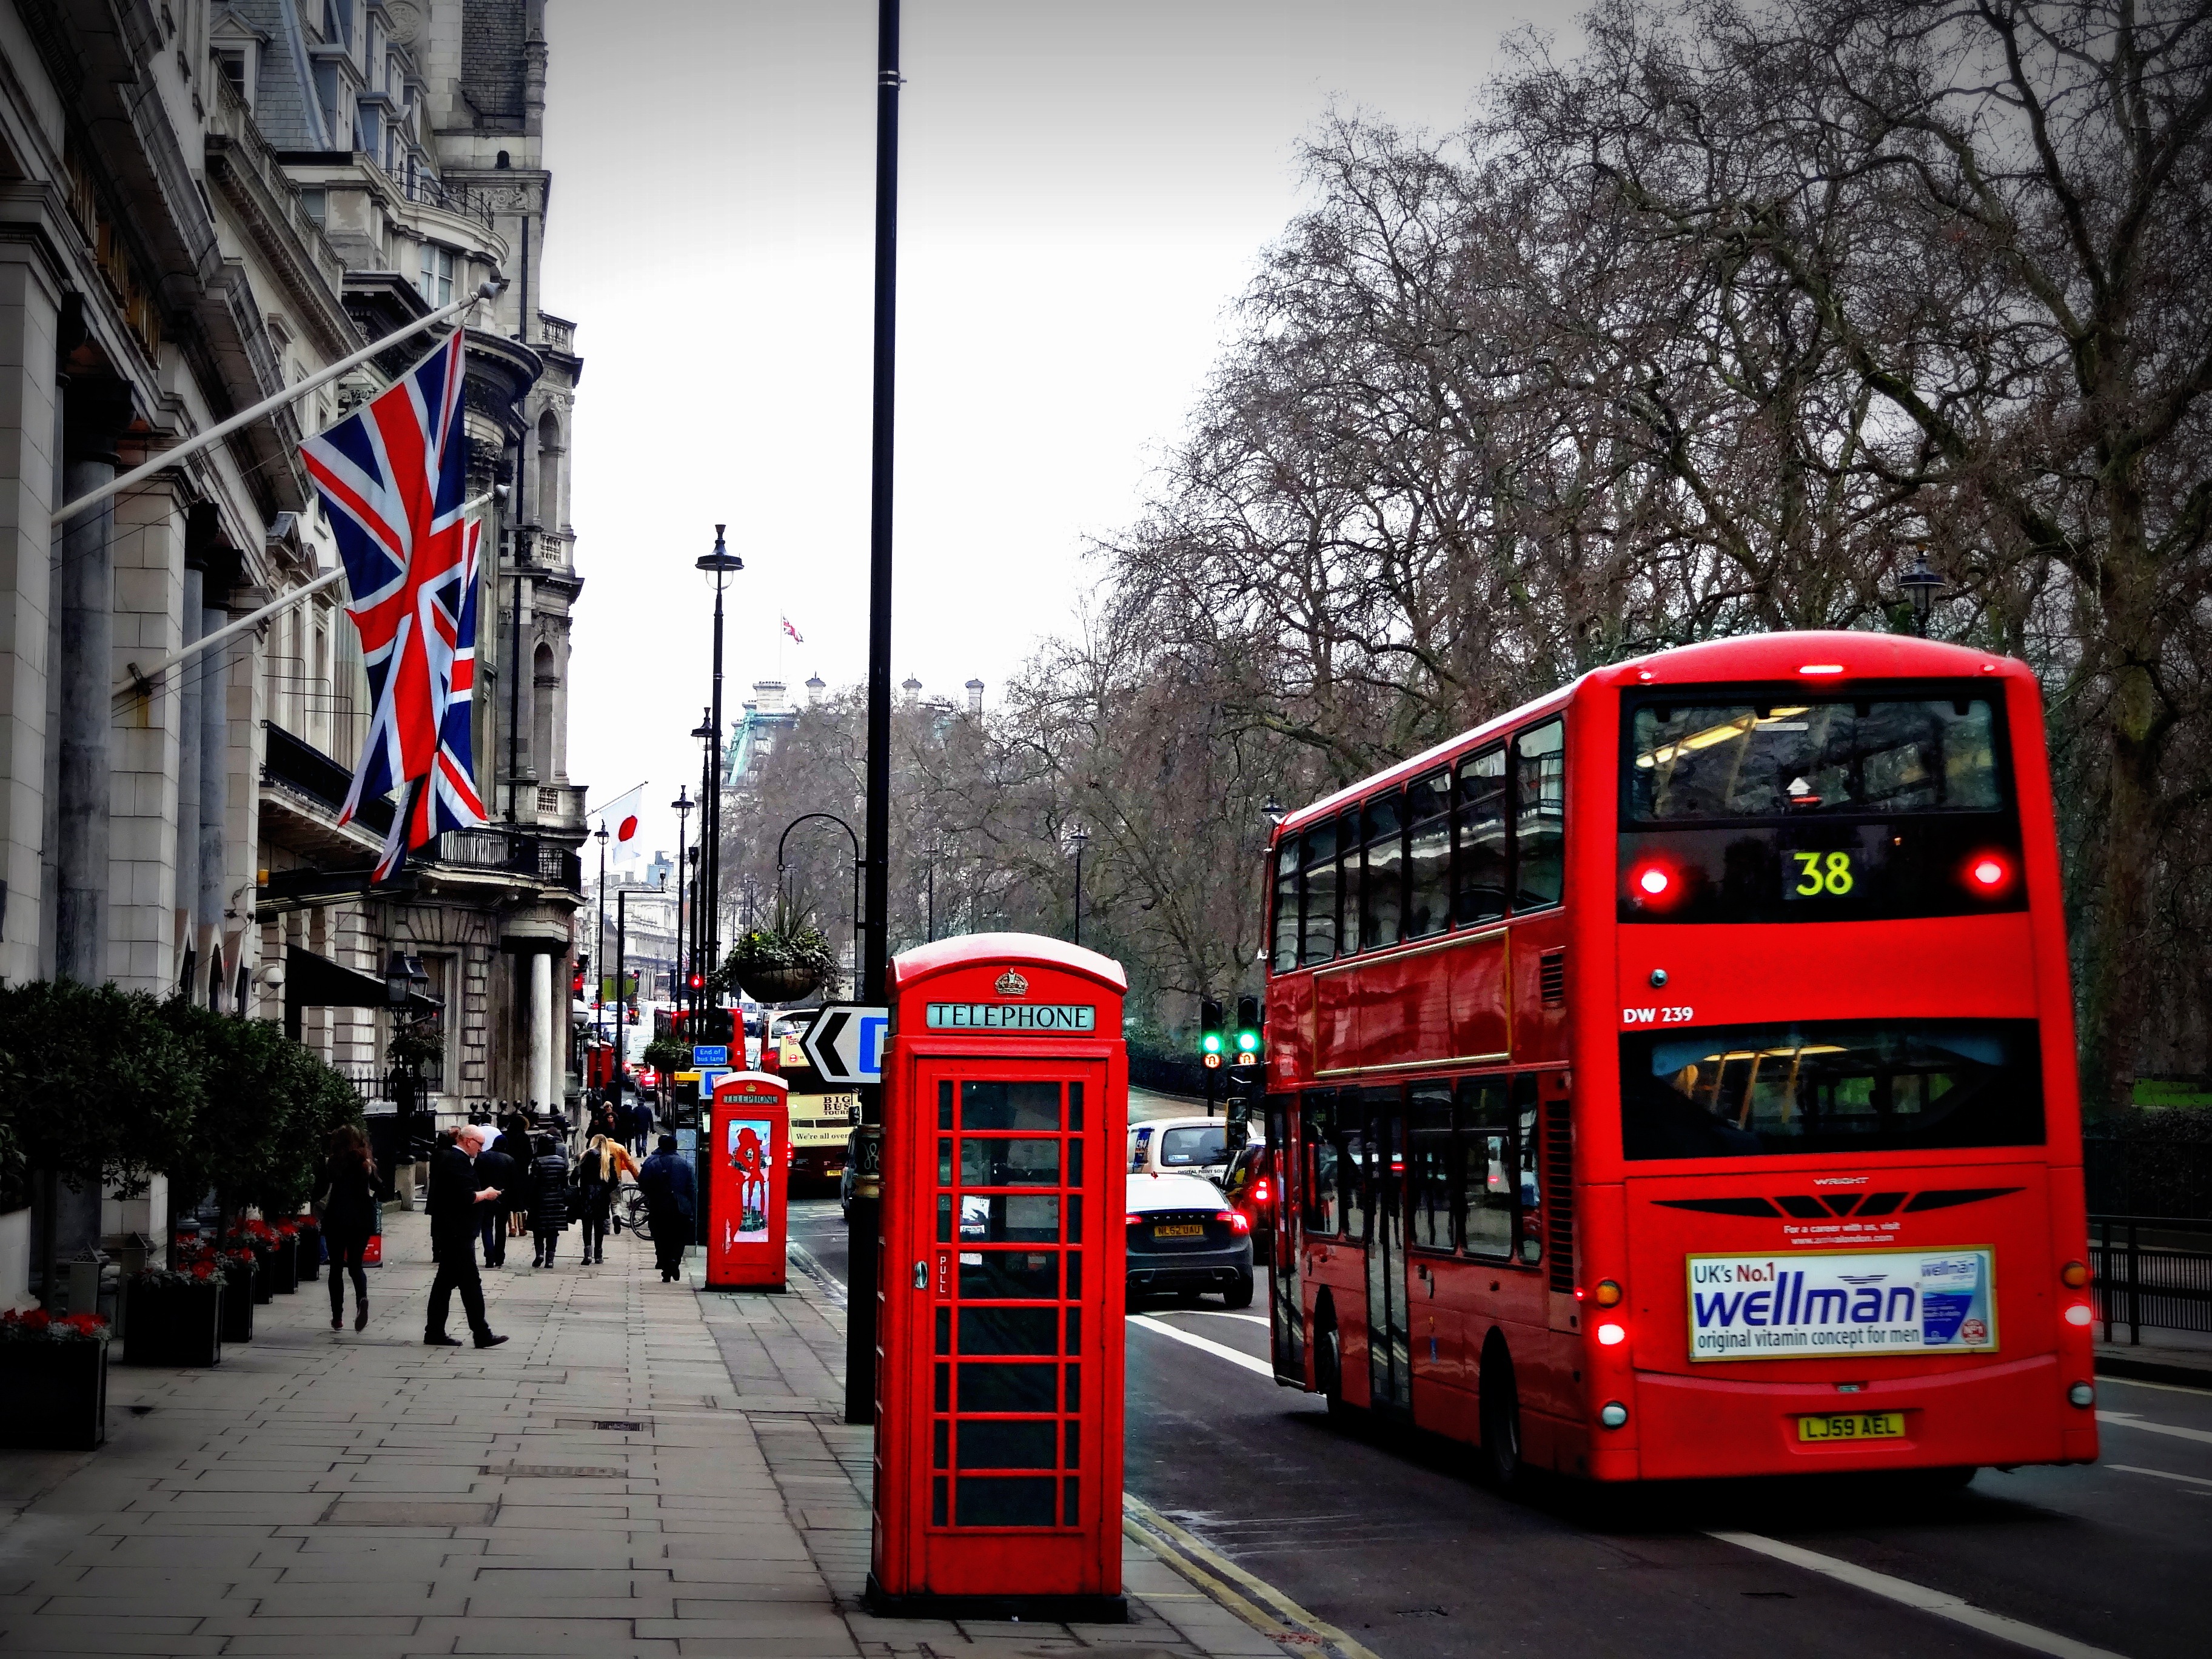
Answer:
(1943, 1604)
(2163, 1474)
(1220, 1350)
(2200, 1391)
(1215, 1313)
(2130, 1420)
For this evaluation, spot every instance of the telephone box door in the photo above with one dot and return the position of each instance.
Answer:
(747, 1157)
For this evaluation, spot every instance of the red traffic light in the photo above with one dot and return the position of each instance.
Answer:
(698, 981)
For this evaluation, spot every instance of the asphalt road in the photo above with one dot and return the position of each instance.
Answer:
(1394, 1541)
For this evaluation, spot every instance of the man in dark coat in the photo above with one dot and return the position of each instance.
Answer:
(671, 1204)
(495, 1169)
(456, 1204)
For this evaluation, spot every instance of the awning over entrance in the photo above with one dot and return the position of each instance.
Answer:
(316, 982)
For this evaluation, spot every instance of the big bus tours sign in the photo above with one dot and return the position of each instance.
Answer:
(1764, 1307)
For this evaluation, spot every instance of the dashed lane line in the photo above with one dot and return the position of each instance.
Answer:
(2163, 1474)
(1943, 1605)
(1252, 1599)
(1207, 1344)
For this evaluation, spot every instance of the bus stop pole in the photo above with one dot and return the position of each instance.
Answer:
(873, 968)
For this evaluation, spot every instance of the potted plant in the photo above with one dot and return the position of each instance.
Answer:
(237, 1269)
(53, 1381)
(175, 1316)
(311, 1249)
(782, 962)
(288, 1256)
(258, 1238)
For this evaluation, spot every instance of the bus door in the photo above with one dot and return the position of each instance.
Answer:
(1390, 1366)
(1285, 1316)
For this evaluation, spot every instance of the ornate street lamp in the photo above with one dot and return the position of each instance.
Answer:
(1921, 585)
(1081, 837)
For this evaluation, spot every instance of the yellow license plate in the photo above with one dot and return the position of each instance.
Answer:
(1190, 1230)
(1853, 1426)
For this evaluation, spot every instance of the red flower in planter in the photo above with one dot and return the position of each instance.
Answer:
(36, 1319)
(86, 1324)
(203, 1269)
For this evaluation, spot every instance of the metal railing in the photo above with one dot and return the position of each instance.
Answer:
(2151, 1270)
(546, 862)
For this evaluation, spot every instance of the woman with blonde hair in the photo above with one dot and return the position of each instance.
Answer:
(599, 1172)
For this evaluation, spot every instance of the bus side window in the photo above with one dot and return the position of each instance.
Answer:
(1529, 1142)
(1429, 1157)
(1428, 856)
(1286, 905)
(1348, 885)
(1316, 1122)
(1317, 859)
(1352, 1149)
(1487, 1170)
(1383, 888)
(1540, 815)
(1481, 844)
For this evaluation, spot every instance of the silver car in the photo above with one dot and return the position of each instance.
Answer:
(1185, 1238)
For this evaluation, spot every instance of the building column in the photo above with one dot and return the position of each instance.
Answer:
(96, 408)
(187, 674)
(213, 676)
(542, 1093)
(29, 316)
(145, 733)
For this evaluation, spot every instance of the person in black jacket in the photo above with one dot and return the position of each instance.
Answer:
(671, 1201)
(455, 1205)
(496, 1169)
(548, 1198)
(345, 1201)
(514, 1141)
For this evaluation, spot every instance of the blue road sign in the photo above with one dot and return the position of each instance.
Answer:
(710, 1053)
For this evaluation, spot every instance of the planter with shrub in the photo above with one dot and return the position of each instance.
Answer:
(174, 1318)
(54, 1381)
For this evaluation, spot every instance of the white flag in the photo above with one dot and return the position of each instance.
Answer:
(618, 817)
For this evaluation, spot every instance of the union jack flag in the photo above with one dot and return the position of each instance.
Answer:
(392, 476)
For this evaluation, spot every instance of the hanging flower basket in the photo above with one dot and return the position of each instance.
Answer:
(778, 984)
(173, 1318)
(783, 963)
(54, 1381)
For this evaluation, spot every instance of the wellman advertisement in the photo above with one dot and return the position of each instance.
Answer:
(1871, 1301)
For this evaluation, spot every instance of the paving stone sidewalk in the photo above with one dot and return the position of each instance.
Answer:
(643, 1470)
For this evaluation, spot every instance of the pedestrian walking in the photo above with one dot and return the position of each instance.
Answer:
(515, 1142)
(599, 1172)
(606, 1117)
(671, 1204)
(548, 1198)
(497, 1168)
(640, 1124)
(346, 1206)
(454, 1203)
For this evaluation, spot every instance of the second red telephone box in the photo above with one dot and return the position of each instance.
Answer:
(748, 1158)
(998, 1389)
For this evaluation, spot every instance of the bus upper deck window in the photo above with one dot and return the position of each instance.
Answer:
(1317, 903)
(1540, 815)
(1481, 864)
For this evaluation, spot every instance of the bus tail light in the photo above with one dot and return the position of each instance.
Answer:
(2081, 1314)
(2081, 1395)
(1237, 1221)
(1988, 873)
(2074, 1275)
(1612, 1414)
(1610, 1335)
(1607, 1294)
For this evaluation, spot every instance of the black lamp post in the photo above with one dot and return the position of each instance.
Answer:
(850, 836)
(1081, 837)
(599, 949)
(403, 978)
(682, 807)
(1921, 585)
(721, 565)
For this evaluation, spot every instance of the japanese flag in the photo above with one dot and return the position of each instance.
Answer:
(618, 817)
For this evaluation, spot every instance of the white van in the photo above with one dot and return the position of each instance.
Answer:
(1187, 1146)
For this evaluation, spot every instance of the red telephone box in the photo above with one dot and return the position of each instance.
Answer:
(999, 1392)
(749, 1148)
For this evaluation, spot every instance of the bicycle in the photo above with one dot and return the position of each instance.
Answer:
(630, 1209)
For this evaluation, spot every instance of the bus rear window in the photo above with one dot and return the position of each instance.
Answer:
(1715, 759)
(1825, 1087)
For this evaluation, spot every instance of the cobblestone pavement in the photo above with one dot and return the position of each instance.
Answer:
(644, 1468)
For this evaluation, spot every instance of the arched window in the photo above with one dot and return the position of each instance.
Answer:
(551, 510)
(544, 685)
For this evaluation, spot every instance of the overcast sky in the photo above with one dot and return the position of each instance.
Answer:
(1083, 189)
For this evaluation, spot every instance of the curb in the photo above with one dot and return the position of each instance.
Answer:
(2173, 1373)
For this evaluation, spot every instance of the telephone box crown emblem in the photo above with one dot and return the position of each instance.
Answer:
(1012, 984)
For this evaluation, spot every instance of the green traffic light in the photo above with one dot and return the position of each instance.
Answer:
(1211, 1043)
(1248, 1042)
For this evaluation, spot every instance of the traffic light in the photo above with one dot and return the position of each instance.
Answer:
(698, 981)
(1248, 1031)
(1209, 1033)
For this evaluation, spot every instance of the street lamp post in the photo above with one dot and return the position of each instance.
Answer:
(599, 948)
(1081, 837)
(682, 807)
(721, 565)
(1921, 585)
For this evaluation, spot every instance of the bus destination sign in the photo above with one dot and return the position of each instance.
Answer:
(1832, 1304)
(1014, 1017)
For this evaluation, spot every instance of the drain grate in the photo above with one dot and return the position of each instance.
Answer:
(551, 1471)
(618, 1424)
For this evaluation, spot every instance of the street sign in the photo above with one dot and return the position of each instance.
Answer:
(710, 1053)
(845, 1043)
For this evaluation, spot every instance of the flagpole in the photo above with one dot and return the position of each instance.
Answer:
(192, 445)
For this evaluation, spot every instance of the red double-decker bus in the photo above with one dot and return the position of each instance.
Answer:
(1675, 1077)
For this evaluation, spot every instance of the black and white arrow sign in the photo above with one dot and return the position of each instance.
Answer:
(846, 1043)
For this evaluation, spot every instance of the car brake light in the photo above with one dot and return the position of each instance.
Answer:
(1235, 1218)
(1259, 1192)
(1610, 1335)
(1134, 1220)
(1822, 668)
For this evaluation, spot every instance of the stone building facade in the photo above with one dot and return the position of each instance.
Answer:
(203, 202)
